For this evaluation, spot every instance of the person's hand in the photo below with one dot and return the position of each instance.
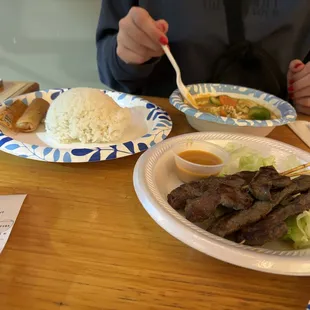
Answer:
(298, 83)
(140, 37)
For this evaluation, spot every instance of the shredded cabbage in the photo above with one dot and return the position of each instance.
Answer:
(243, 158)
(299, 230)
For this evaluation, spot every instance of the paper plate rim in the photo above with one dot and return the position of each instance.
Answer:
(161, 129)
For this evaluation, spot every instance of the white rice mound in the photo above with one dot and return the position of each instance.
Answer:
(86, 115)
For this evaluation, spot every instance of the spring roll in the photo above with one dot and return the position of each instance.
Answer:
(33, 116)
(10, 114)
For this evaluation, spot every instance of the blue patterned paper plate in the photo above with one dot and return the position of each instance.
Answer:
(151, 125)
(286, 112)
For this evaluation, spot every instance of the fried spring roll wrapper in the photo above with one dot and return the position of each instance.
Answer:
(10, 114)
(33, 116)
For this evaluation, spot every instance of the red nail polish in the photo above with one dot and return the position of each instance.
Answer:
(291, 81)
(298, 65)
(291, 88)
(163, 41)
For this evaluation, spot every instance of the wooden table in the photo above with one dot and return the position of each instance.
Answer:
(82, 241)
(13, 88)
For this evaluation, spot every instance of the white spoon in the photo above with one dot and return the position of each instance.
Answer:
(183, 90)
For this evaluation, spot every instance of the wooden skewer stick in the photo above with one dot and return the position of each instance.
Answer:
(301, 167)
(297, 174)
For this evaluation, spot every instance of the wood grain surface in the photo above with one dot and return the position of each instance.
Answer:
(14, 88)
(82, 241)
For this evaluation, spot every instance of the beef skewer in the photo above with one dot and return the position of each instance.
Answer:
(249, 199)
(273, 226)
(232, 223)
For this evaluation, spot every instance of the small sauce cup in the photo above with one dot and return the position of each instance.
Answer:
(188, 171)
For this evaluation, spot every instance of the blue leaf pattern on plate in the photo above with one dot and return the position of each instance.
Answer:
(150, 115)
(157, 128)
(81, 152)
(121, 97)
(5, 140)
(156, 115)
(8, 101)
(56, 155)
(130, 146)
(38, 94)
(164, 117)
(111, 156)
(47, 150)
(12, 147)
(95, 156)
(55, 95)
(167, 123)
(161, 125)
(67, 157)
(142, 146)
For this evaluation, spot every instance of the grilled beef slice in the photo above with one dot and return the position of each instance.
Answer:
(267, 178)
(303, 183)
(232, 223)
(235, 198)
(199, 209)
(260, 237)
(178, 197)
(273, 226)
(247, 176)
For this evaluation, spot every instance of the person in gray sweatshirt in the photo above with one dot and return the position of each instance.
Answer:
(130, 33)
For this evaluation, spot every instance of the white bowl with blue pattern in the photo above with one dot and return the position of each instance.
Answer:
(150, 125)
(208, 122)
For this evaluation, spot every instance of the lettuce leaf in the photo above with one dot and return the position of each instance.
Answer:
(299, 230)
(243, 158)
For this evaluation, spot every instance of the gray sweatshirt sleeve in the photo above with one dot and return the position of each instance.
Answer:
(114, 72)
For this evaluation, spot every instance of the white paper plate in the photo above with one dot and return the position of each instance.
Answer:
(154, 178)
(150, 125)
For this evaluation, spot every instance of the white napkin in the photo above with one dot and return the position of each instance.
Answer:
(302, 130)
(9, 209)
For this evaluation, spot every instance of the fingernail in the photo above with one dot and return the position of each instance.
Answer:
(162, 27)
(291, 81)
(291, 88)
(163, 41)
(298, 65)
